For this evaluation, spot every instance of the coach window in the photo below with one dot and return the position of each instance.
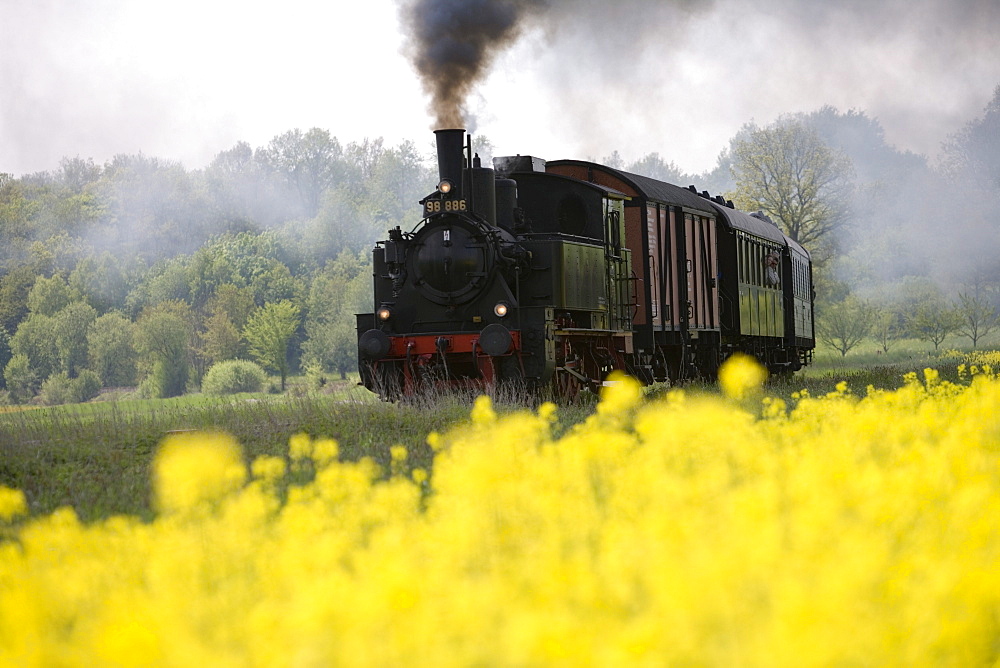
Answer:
(771, 263)
(745, 260)
(756, 265)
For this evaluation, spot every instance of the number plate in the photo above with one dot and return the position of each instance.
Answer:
(434, 206)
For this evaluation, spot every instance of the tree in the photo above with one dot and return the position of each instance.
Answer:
(69, 331)
(5, 353)
(234, 302)
(342, 289)
(14, 288)
(163, 340)
(310, 163)
(240, 189)
(221, 339)
(104, 280)
(50, 295)
(933, 320)
(34, 341)
(787, 171)
(978, 317)
(653, 166)
(111, 350)
(21, 379)
(973, 153)
(269, 332)
(845, 324)
(887, 328)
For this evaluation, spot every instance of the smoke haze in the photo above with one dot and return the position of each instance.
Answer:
(452, 44)
(557, 78)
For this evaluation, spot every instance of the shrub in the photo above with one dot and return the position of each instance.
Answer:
(233, 376)
(86, 386)
(59, 388)
(22, 381)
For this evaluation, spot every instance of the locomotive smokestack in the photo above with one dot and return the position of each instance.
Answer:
(450, 145)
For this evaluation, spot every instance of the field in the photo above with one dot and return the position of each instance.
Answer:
(817, 522)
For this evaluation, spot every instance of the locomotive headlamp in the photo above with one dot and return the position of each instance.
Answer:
(384, 313)
(500, 309)
(444, 187)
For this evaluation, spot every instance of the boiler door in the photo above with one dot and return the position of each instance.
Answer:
(451, 260)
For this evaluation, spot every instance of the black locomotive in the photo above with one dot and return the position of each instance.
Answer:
(552, 275)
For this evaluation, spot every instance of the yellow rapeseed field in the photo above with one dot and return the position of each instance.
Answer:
(694, 530)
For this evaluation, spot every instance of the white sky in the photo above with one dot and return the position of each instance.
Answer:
(186, 79)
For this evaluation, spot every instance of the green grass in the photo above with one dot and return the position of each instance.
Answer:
(96, 457)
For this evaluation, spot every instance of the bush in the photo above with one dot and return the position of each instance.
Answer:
(22, 381)
(59, 388)
(86, 386)
(233, 376)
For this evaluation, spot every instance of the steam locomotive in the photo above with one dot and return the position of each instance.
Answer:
(552, 275)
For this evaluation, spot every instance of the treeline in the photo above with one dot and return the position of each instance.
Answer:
(139, 271)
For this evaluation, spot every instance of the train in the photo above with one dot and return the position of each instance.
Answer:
(547, 276)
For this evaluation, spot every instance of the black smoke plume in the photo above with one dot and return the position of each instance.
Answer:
(452, 44)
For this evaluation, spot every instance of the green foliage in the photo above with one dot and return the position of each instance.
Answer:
(69, 333)
(50, 295)
(5, 353)
(111, 350)
(232, 377)
(87, 385)
(342, 289)
(35, 341)
(14, 288)
(655, 167)
(166, 281)
(269, 332)
(22, 381)
(103, 280)
(234, 302)
(251, 261)
(163, 339)
(59, 388)
(220, 340)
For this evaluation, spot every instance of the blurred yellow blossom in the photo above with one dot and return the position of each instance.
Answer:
(687, 530)
(196, 467)
(740, 376)
(12, 503)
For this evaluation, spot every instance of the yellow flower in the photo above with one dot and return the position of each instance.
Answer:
(12, 503)
(300, 446)
(268, 468)
(190, 469)
(482, 411)
(325, 450)
(740, 376)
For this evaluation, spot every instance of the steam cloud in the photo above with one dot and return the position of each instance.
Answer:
(453, 43)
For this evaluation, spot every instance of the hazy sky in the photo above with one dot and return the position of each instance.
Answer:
(188, 78)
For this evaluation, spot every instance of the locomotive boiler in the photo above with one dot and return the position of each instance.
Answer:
(552, 275)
